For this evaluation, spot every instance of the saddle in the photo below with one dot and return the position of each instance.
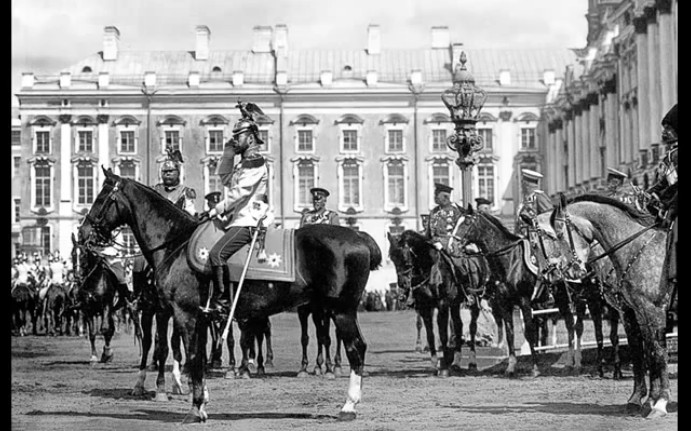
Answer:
(278, 264)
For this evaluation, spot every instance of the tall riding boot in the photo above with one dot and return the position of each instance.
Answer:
(218, 301)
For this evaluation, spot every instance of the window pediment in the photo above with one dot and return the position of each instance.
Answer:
(304, 120)
(84, 120)
(349, 119)
(394, 119)
(437, 117)
(126, 120)
(214, 120)
(43, 121)
(171, 120)
(527, 116)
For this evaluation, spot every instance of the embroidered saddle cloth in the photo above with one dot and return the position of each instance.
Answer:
(279, 264)
(529, 258)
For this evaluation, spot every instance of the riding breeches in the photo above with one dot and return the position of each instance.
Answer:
(233, 240)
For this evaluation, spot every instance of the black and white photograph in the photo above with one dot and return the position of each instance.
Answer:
(344, 215)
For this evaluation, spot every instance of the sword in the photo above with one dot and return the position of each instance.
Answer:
(242, 279)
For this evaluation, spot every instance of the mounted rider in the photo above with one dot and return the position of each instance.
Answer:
(535, 202)
(172, 188)
(56, 270)
(618, 188)
(664, 192)
(319, 214)
(244, 203)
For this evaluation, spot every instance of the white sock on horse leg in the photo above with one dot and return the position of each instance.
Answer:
(354, 393)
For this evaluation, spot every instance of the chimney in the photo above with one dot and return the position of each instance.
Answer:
(238, 78)
(326, 78)
(28, 80)
(111, 40)
(281, 40)
(149, 79)
(65, 79)
(504, 77)
(371, 78)
(548, 77)
(201, 50)
(193, 79)
(440, 37)
(261, 41)
(373, 39)
(103, 79)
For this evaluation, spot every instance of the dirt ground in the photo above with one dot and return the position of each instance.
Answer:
(55, 388)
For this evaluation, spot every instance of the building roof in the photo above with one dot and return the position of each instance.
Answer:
(526, 66)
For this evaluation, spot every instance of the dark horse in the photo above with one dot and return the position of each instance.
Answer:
(636, 248)
(95, 296)
(333, 265)
(23, 305)
(413, 257)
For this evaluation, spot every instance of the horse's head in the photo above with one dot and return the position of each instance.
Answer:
(109, 211)
(576, 241)
(412, 256)
(468, 227)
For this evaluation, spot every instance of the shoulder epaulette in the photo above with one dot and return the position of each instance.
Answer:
(253, 163)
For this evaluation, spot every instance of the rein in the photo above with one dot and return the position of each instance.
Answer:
(620, 244)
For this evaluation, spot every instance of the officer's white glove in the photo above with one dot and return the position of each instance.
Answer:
(472, 248)
(438, 246)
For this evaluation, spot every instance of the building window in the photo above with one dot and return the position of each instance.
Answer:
(306, 180)
(215, 141)
(486, 134)
(16, 165)
(17, 210)
(351, 184)
(127, 141)
(440, 173)
(395, 141)
(350, 140)
(86, 141)
(16, 138)
(527, 138)
(43, 142)
(42, 184)
(128, 170)
(85, 183)
(36, 238)
(213, 182)
(395, 184)
(439, 140)
(485, 181)
(305, 140)
(172, 140)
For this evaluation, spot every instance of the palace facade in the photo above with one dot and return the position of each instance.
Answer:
(608, 112)
(368, 125)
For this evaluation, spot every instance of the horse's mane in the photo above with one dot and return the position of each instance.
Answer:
(643, 218)
(169, 208)
(499, 225)
(414, 238)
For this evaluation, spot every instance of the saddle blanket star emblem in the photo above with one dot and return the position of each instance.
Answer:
(203, 254)
(274, 260)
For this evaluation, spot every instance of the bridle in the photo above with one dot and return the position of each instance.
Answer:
(409, 272)
(472, 223)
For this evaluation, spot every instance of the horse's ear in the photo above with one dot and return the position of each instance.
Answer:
(562, 200)
(470, 208)
(388, 235)
(74, 241)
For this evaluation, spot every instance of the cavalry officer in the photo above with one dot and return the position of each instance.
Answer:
(182, 196)
(56, 269)
(244, 203)
(618, 189)
(483, 205)
(665, 191)
(535, 201)
(443, 217)
(319, 214)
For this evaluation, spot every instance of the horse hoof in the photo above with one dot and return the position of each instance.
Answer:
(161, 397)
(230, 374)
(195, 416)
(418, 349)
(93, 359)
(346, 416)
(138, 391)
(302, 374)
(472, 367)
(443, 373)
(338, 371)
(269, 364)
(261, 372)
(617, 375)
(329, 375)
(317, 371)
(215, 365)
(106, 358)
(244, 375)
(656, 413)
(633, 409)
(177, 390)
(152, 367)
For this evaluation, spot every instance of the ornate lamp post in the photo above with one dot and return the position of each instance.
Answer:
(464, 101)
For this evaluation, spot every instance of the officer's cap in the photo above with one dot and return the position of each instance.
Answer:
(530, 176)
(213, 197)
(438, 187)
(316, 191)
(613, 173)
(482, 201)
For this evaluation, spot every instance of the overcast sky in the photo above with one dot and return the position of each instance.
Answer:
(48, 35)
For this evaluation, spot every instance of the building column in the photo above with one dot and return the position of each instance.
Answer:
(549, 152)
(102, 148)
(643, 126)
(596, 139)
(654, 76)
(584, 162)
(560, 159)
(611, 140)
(64, 238)
(667, 54)
(571, 146)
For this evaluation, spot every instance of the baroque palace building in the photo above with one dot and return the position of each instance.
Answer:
(609, 109)
(368, 125)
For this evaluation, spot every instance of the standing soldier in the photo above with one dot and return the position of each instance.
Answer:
(319, 215)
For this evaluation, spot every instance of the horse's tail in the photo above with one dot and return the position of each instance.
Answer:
(375, 256)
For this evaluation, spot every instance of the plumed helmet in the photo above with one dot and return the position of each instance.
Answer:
(170, 165)
(247, 126)
(671, 120)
